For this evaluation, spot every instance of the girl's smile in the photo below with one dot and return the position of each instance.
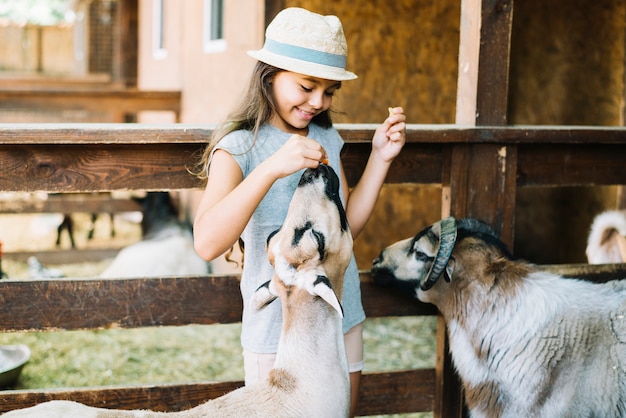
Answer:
(299, 98)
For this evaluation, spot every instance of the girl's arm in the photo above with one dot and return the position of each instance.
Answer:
(229, 200)
(388, 140)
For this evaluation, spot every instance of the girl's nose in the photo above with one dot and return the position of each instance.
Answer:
(316, 100)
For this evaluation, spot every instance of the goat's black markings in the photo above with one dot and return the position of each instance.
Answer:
(269, 237)
(418, 237)
(322, 279)
(321, 244)
(298, 233)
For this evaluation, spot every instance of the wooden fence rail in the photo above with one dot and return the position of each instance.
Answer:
(85, 158)
(90, 98)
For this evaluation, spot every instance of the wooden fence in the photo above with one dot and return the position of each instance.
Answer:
(85, 158)
(88, 97)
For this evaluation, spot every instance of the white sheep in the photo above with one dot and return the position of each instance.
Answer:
(525, 342)
(607, 238)
(166, 248)
(310, 377)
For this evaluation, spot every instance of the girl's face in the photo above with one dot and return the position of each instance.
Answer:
(298, 99)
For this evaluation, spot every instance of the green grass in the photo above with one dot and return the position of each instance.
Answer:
(74, 359)
(63, 359)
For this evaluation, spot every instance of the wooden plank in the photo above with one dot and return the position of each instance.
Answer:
(71, 304)
(102, 133)
(70, 203)
(69, 256)
(95, 100)
(98, 167)
(380, 393)
(124, 133)
(493, 62)
(35, 305)
(482, 185)
(581, 164)
(396, 392)
(173, 397)
(56, 158)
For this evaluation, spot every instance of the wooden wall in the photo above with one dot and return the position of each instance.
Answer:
(567, 68)
(397, 47)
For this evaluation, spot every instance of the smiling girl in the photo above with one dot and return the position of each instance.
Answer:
(255, 159)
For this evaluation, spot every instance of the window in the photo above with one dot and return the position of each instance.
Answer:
(213, 26)
(158, 29)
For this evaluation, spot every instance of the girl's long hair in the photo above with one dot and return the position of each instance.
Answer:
(256, 109)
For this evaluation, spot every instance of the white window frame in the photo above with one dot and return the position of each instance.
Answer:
(158, 29)
(210, 42)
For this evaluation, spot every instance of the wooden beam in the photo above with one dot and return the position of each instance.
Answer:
(39, 305)
(95, 100)
(105, 157)
(70, 203)
(393, 392)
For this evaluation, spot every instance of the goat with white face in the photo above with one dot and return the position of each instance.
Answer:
(310, 378)
(525, 342)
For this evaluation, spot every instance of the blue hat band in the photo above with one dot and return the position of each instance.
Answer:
(305, 54)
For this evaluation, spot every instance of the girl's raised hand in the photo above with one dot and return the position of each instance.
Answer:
(297, 153)
(389, 138)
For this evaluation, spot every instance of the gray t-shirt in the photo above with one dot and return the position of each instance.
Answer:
(261, 330)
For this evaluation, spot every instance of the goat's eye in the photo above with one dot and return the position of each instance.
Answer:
(421, 256)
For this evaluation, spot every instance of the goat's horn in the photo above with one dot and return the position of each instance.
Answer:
(324, 289)
(475, 225)
(447, 238)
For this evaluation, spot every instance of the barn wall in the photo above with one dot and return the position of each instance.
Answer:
(405, 54)
(567, 68)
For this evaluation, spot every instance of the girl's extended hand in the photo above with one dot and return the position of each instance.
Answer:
(297, 153)
(389, 138)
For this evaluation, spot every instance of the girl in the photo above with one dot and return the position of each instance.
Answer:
(254, 161)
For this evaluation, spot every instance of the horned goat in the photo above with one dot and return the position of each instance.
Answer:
(607, 238)
(525, 342)
(310, 377)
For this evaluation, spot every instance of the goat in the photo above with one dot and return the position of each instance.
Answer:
(607, 238)
(525, 342)
(67, 224)
(166, 248)
(310, 377)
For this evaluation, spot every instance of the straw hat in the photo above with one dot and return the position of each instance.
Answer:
(307, 43)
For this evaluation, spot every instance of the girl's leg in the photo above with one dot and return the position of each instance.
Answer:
(354, 349)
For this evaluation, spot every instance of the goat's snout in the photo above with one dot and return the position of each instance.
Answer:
(309, 176)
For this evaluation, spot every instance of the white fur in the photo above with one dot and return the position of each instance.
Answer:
(525, 342)
(600, 249)
(168, 253)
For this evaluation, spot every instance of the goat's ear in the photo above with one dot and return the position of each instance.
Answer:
(323, 289)
(263, 296)
(447, 275)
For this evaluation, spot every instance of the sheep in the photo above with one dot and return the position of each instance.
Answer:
(166, 248)
(607, 238)
(525, 342)
(310, 377)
